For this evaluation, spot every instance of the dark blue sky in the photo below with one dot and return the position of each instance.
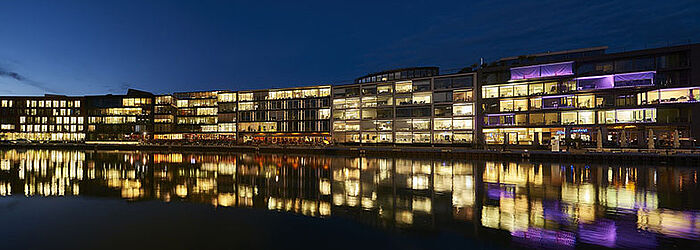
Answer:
(95, 47)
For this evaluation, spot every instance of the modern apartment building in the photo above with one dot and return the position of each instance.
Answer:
(643, 98)
(120, 118)
(405, 106)
(45, 118)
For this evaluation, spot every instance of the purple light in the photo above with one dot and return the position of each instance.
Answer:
(544, 237)
(598, 82)
(602, 233)
(543, 70)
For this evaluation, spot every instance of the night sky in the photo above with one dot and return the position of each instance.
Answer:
(97, 47)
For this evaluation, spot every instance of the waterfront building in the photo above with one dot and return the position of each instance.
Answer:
(406, 106)
(46, 118)
(164, 114)
(644, 98)
(227, 114)
(120, 118)
(196, 116)
(290, 115)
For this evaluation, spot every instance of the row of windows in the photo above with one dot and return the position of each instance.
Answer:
(51, 120)
(119, 111)
(444, 137)
(44, 136)
(51, 128)
(405, 125)
(305, 126)
(405, 74)
(290, 104)
(587, 83)
(415, 98)
(406, 87)
(574, 117)
(46, 103)
(303, 114)
(285, 94)
(464, 109)
(667, 61)
(135, 102)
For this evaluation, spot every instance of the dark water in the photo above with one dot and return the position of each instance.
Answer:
(141, 200)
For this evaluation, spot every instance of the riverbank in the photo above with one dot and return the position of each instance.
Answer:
(670, 156)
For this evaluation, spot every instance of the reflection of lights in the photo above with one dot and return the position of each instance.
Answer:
(181, 190)
(324, 209)
(324, 186)
(404, 217)
(422, 204)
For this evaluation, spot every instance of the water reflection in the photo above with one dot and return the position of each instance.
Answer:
(533, 204)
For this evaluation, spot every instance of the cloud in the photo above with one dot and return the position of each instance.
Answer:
(23, 79)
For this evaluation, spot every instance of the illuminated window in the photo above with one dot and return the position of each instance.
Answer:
(421, 137)
(404, 137)
(506, 105)
(339, 126)
(520, 90)
(585, 101)
(404, 87)
(226, 97)
(463, 109)
(464, 123)
(463, 96)
(442, 124)
(422, 98)
(353, 114)
(520, 105)
(442, 137)
(490, 92)
(384, 89)
(586, 117)
(568, 118)
(421, 124)
(505, 91)
(246, 97)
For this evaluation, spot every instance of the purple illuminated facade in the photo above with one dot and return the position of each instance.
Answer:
(641, 99)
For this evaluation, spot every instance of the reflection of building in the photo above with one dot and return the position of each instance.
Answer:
(531, 201)
(293, 115)
(405, 106)
(48, 118)
(120, 118)
(530, 100)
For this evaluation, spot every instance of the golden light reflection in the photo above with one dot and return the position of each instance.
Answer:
(514, 197)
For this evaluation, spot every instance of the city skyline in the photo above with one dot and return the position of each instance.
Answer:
(212, 46)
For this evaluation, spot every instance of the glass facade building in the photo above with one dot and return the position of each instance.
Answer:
(644, 99)
(631, 99)
(281, 116)
(119, 118)
(424, 110)
(44, 119)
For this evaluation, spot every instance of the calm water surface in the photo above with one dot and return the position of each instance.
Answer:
(487, 203)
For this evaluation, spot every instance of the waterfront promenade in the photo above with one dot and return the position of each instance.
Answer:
(668, 156)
